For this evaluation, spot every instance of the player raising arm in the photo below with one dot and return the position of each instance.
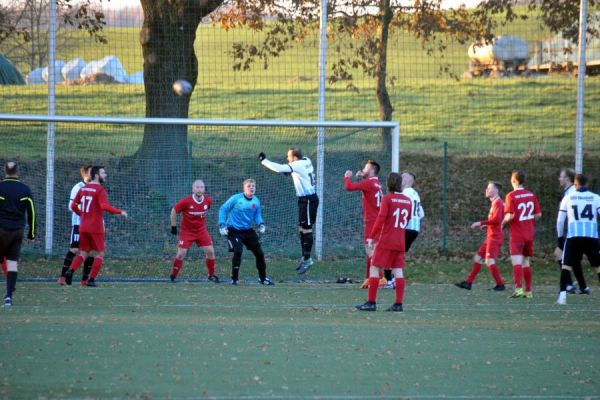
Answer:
(193, 229)
(302, 172)
(370, 189)
(580, 210)
(387, 239)
(237, 218)
(90, 203)
(521, 209)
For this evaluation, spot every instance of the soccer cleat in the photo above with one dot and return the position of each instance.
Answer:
(214, 278)
(267, 282)
(365, 284)
(84, 282)
(562, 298)
(91, 283)
(172, 277)
(585, 291)
(234, 282)
(368, 306)
(396, 307)
(69, 276)
(528, 295)
(61, 281)
(300, 263)
(518, 293)
(498, 288)
(571, 289)
(390, 285)
(7, 302)
(305, 266)
(463, 285)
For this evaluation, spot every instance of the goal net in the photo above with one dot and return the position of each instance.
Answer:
(147, 176)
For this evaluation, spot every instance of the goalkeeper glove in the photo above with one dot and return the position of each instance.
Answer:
(223, 230)
(261, 156)
(173, 230)
(262, 228)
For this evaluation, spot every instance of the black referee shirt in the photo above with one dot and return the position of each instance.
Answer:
(15, 200)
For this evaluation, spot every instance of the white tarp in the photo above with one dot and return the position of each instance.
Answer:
(35, 77)
(58, 64)
(71, 70)
(109, 65)
(136, 78)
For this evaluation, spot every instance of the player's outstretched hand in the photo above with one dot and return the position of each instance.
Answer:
(124, 213)
(261, 156)
(262, 228)
(348, 174)
(173, 230)
(223, 231)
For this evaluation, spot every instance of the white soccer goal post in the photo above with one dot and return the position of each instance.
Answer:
(344, 142)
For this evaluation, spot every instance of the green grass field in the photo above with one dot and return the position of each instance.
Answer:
(295, 341)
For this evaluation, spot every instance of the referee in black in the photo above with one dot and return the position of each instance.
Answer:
(15, 201)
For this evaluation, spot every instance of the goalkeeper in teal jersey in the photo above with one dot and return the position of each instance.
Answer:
(237, 218)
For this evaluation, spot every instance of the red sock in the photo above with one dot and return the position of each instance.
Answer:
(518, 275)
(96, 267)
(77, 261)
(527, 277)
(4, 267)
(373, 286)
(177, 264)
(496, 274)
(474, 271)
(210, 265)
(368, 267)
(400, 283)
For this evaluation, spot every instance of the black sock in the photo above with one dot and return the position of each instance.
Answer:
(235, 272)
(262, 273)
(306, 241)
(87, 268)
(570, 279)
(578, 272)
(388, 274)
(67, 262)
(11, 282)
(564, 277)
(598, 276)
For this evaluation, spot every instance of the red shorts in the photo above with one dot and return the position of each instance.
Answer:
(388, 259)
(489, 249)
(201, 239)
(89, 241)
(521, 248)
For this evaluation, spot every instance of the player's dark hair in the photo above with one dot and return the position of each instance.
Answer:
(394, 182)
(375, 165)
(581, 180)
(11, 168)
(498, 185)
(569, 173)
(519, 176)
(95, 170)
(296, 151)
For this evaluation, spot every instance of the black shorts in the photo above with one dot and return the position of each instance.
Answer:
(75, 237)
(307, 210)
(576, 247)
(10, 244)
(236, 239)
(409, 238)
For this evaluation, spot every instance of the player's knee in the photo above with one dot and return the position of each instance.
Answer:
(398, 273)
(373, 272)
(12, 266)
(477, 259)
(490, 261)
(567, 267)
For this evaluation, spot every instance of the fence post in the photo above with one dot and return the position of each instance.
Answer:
(445, 200)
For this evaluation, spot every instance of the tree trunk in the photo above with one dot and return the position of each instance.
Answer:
(167, 38)
(384, 103)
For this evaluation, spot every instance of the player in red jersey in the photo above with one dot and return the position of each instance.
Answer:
(388, 240)
(370, 188)
(94, 201)
(490, 248)
(521, 209)
(193, 229)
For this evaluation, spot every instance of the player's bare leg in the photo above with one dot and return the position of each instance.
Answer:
(209, 261)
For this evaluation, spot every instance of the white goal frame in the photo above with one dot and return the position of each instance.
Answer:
(52, 119)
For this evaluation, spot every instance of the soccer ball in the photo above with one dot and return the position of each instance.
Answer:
(181, 87)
